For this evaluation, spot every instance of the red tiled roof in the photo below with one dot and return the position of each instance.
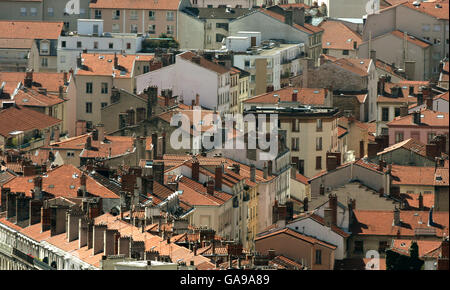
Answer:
(413, 200)
(387, 68)
(306, 96)
(307, 28)
(205, 63)
(339, 36)
(371, 222)
(443, 96)
(62, 181)
(292, 233)
(402, 246)
(342, 131)
(196, 194)
(30, 29)
(32, 98)
(428, 118)
(409, 144)
(286, 263)
(357, 66)
(431, 9)
(301, 178)
(136, 4)
(411, 39)
(441, 177)
(24, 119)
(412, 175)
(103, 65)
(48, 80)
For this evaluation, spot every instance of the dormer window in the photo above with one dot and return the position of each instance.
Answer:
(45, 47)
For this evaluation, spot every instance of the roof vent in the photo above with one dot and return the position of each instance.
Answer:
(440, 116)
(438, 5)
(416, 3)
(51, 186)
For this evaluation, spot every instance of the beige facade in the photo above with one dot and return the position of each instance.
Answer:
(244, 93)
(356, 139)
(18, 57)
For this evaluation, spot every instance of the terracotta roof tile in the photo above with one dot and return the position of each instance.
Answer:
(431, 9)
(339, 36)
(204, 62)
(412, 175)
(413, 200)
(428, 118)
(30, 29)
(297, 235)
(306, 96)
(49, 80)
(411, 39)
(24, 119)
(409, 144)
(402, 246)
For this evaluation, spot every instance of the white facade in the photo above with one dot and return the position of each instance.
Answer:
(186, 79)
(90, 26)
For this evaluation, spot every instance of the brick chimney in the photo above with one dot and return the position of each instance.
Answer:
(271, 254)
(195, 170)
(101, 132)
(61, 92)
(443, 260)
(332, 204)
(294, 95)
(45, 219)
(218, 177)
(331, 162)
(116, 61)
(28, 81)
(197, 99)
(37, 187)
(98, 238)
(265, 171)
(210, 187)
(420, 198)
(429, 103)
(56, 134)
(432, 150)
(397, 221)
(252, 173)
(83, 179)
(328, 216)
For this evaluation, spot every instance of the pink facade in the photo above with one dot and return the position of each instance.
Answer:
(420, 133)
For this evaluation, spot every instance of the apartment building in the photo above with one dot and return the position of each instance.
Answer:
(52, 94)
(44, 34)
(97, 74)
(189, 76)
(301, 124)
(338, 40)
(18, 54)
(282, 24)
(269, 63)
(206, 28)
(431, 24)
(399, 48)
(45, 10)
(90, 38)
(139, 16)
(222, 3)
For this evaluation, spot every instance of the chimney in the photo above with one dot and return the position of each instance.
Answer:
(116, 61)
(252, 173)
(109, 242)
(305, 204)
(45, 218)
(35, 212)
(65, 77)
(99, 238)
(83, 232)
(298, 16)
(420, 198)
(294, 95)
(432, 150)
(101, 132)
(28, 81)
(270, 168)
(218, 178)
(73, 223)
(429, 103)
(332, 204)
(83, 179)
(265, 171)
(416, 118)
(271, 254)
(155, 145)
(397, 221)
(196, 59)
(197, 99)
(56, 134)
(195, 170)
(37, 187)
(332, 162)
(236, 168)
(210, 187)
(381, 165)
(46, 138)
(61, 92)
(328, 213)
(445, 248)
(88, 144)
(403, 111)
(288, 17)
(411, 90)
(373, 54)
(124, 246)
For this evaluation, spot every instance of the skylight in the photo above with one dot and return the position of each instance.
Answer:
(440, 116)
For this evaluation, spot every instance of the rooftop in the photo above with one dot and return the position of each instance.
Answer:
(428, 118)
(305, 96)
(410, 144)
(30, 29)
(412, 175)
(204, 62)
(337, 35)
(297, 235)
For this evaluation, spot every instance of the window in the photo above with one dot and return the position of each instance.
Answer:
(318, 125)
(384, 114)
(169, 16)
(78, 44)
(431, 136)
(152, 29)
(318, 143)
(128, 45)
(66, 25)
(111, 45)
(88, 107)
(50, 11)
(295, 144)
(345, 52)
(146, 68)
(44, 62)
(359, 247)
(325, 51)
(63, 44)
(295, 126)
(223, 26)
(318, 257)
(384, 131)
(104, 104)
(219, 37)
(70, 154)
(133, 15)
(98, 14)
(397, 112)
(62, 59)
(82, 11)
(151, 15)
(116, 14)
(88, 88)
(436, 27)
(33, 11)
(104, 88)
(23, 11)
(398, 136)
(95, 44)
(115, 28)
(133, 28)
(169, 29)
(425, 27)
(318, 162)
(45, 47)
